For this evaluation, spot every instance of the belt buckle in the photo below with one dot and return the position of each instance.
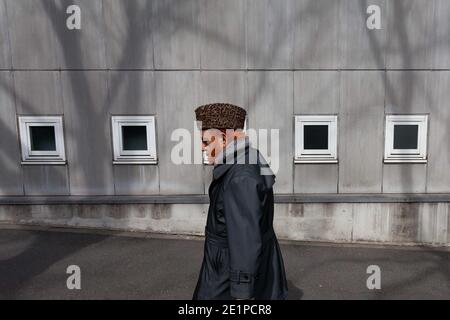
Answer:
(243, 277)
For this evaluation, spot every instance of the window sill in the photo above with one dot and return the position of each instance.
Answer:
(136, 162)
(405, 160)
(56, 162)
(314, 161)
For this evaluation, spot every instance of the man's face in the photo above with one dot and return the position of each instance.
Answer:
(213, 141)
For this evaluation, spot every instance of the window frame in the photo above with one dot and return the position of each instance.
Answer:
(418, 155)
(58, 156)
(302, 155)
(121, 156)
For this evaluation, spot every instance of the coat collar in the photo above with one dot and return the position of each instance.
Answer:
(220, 170)
(240, 152)
(233, 153)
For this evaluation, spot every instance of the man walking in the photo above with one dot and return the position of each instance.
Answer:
(242, 258)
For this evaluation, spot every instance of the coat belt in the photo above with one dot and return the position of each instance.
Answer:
(222, 242)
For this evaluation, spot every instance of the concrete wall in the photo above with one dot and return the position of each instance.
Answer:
(275, 58)
(388, 223)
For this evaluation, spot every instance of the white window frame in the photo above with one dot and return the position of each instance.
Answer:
(121, 156)
(418, 155)
(41, 157)
(303, 155)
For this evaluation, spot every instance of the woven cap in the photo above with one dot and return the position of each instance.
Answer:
(221, 116)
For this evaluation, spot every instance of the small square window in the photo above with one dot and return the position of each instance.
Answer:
(406, 138)
(316, 139)
(134, 139)
(42, 139)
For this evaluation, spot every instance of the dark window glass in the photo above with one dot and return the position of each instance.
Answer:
(316, 137)
(42, 138)
(134, 137)
(405, 136)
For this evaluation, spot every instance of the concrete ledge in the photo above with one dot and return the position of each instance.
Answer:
(362, 198)
(384, 223)
(113, 199)
(203, 199)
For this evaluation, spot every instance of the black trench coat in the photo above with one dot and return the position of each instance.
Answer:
(242, 258)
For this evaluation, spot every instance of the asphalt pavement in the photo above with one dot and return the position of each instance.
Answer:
(34, 264)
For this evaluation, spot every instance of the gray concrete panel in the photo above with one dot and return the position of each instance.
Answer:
(438, 175)
(360, 123)
(11, 171)
(316, 34)
(371, 222)
(88, 138)
(403, 220)
(45, 180)
(404, 177)
(316, 92)
(448, 223)
(131, 92)
(224, 86)
(433, 219)
(84, 48)
(361, 47)
(269, 34)
(407, 92)
(410, 34)
(315, 178)
(136, 179)
(5, 49)
(128, 30)
(34, 42)
(176, 36)
(177, 98)
(271, 107)
(38, 92)
(222, 34)
(441, 35)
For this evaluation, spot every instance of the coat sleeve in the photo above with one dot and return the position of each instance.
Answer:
(243, 212)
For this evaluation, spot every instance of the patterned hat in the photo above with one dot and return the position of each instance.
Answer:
(221, 116)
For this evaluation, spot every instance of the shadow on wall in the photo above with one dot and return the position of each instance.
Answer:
(134, 47)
